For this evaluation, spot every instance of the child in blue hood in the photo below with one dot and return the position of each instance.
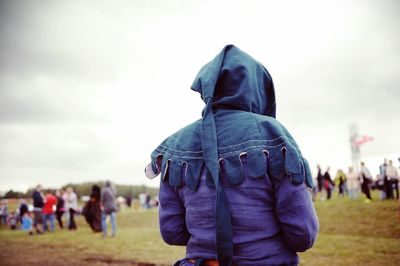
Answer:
(234, 183)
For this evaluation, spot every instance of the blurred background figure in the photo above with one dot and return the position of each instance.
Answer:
(3, 212)
(387, 190)
(366, 180)
(49, 206)
(340, 180)
(38, 203)
(154, 202)
(393, 180)
(72, 207)
(320, 179)
(328, 184)
(92, 210)
(109, 208)
(148, 199)
(60, 209)
(380, 185)
(129, 201)
(142, 199)
(352, 183)
(12, 220)
(23, 208)
(64, 195)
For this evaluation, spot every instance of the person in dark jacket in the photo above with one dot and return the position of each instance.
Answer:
(38, 203)
(366, 180)
(234, 183)
(23, 208)
(320, 179)
(92, 210)
(328, 184)
(60, 208)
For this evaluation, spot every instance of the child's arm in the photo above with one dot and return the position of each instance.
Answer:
(172, 216)
(295, 211)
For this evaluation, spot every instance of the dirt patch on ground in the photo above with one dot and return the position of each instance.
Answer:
(114, 261)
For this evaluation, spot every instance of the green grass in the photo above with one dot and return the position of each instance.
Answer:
(352, 233)
(356, 233)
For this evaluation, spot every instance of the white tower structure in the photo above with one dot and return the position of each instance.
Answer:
(355, 147)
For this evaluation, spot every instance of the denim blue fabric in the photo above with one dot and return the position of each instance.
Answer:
(112, 220)
(238, 136)
(48, 218)
(265, 145)
(272, 220)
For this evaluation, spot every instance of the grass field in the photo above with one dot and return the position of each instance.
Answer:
(352, 233)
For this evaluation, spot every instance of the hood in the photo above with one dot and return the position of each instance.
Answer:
(235, 80)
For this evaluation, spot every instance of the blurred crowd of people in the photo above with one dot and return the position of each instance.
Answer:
(40, 213)
(353, 182)
(60, 205)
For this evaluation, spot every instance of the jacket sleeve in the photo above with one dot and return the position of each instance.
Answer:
(172, 216)
(296, 213)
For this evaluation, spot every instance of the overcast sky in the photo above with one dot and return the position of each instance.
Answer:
(89, 88)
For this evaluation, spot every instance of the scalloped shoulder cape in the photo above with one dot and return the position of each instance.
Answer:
(260, 145)
(237, 137)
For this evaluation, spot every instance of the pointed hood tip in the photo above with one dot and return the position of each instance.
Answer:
(229, 46)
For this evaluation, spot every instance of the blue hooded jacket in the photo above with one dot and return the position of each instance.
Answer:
(238, 141)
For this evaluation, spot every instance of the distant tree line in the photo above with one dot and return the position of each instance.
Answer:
(11, 194)
(85, 189)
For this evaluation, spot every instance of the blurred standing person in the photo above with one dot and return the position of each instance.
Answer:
(129, 201)
(23, 208)
(328, 184)
(345, 188)
(92, 210)
(386, 192)
(72, 203)
(148, 206)
(340, 180)
(393, 178)
(12, 220)
(320, 178)
(314, 189)
(366, 179)
(38, 203)
(49, 206)
(60, 209)
(380, 185)
(352, 183)
(142, 199)
(109, 207)
(66, 208)
(95, 198)
(3, 212)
